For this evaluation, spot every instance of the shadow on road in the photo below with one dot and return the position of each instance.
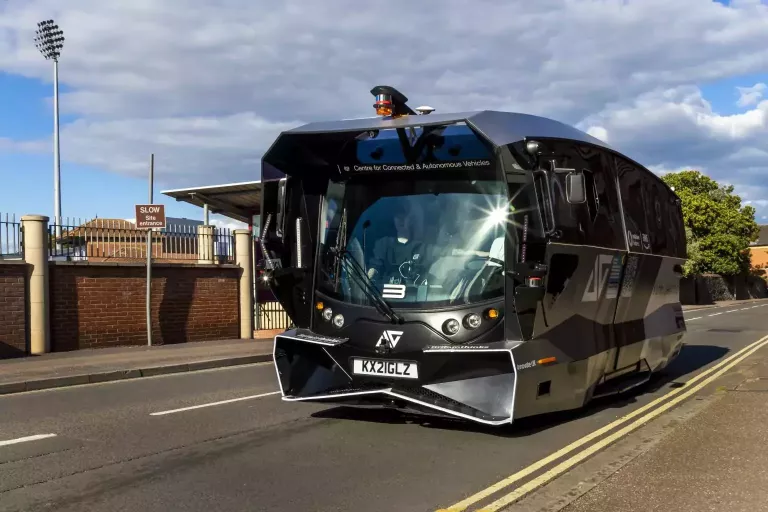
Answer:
(691, 359)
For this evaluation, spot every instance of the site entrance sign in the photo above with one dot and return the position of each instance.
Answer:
(150, 216)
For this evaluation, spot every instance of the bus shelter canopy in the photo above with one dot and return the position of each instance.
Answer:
(238, 201)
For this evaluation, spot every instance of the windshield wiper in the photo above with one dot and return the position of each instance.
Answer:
(342, 255)
(370, 290)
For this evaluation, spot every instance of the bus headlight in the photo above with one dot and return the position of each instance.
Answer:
(472, 321)
(327, 314)
(451, 327)
(338, 321)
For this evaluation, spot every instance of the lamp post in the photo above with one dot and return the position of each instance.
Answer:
(50, 40)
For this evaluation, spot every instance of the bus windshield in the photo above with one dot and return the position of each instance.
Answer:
(423, 241)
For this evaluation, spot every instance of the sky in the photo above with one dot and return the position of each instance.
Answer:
(206, 85)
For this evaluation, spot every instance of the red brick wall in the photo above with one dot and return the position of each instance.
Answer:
(13, 313)
(102, 305)
(759, 256)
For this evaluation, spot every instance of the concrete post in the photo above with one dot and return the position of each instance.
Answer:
(243, 260)
(205, 244)
(36, 255)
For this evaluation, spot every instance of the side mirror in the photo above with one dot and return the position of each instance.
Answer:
(575, 188)
(281, 195)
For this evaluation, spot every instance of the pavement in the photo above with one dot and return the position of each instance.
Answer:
(116, 363)
(716, 461)
(221, 439)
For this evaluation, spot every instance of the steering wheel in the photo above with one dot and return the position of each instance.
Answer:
(413, 270)
(406, 269)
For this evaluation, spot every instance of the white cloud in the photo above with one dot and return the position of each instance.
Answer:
(206, 85)
(750, 95)
(187, 149)
(228, 224)
(598, 132)
(676, 129)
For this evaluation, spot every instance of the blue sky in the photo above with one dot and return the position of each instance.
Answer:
(209, 104)
(26, 185)
(723, 94)
(27, 179)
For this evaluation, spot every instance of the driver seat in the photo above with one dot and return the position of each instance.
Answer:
(492, 268)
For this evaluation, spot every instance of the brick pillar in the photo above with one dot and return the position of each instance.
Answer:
(243, 256)
(36, 255)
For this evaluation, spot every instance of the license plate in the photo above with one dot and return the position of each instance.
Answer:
(385, 368)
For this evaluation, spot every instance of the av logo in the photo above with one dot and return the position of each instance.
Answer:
(394, 291)
(598, 277)
(389, 338)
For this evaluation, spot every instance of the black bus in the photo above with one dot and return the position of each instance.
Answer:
(483, 265)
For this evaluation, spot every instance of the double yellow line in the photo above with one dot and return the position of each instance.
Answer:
(706, 377)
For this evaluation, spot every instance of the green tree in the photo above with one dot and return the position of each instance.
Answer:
(719, 229)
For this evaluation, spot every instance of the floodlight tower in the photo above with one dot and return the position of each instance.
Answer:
(50, 40)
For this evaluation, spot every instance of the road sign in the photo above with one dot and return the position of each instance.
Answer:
(150, 216)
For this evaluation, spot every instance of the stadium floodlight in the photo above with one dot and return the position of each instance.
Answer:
(49, 41)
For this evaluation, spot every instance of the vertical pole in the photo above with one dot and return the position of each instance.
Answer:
(255, 279)
(36, 256)
(243, 246)
(149, 254)
(205, 214)
(56, 164)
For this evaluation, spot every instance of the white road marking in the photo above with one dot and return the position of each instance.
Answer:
(25, 439)
(160, 413)
(721, 313)
(720, 307)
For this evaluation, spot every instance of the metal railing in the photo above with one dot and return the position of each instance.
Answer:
(273, 316)
(10, 237)
(114, 240)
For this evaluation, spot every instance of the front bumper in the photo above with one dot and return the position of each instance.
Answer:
(476, 383)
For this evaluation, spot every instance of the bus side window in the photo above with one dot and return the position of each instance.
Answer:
(602, 198)
(571, 220)
(662, 210)
(632, 197)
(655, 210)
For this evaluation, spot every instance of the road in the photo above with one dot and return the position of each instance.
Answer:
(223, 440)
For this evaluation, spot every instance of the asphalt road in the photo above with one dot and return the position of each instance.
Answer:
(108, 449)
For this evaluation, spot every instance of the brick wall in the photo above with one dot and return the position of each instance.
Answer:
(13, 292)
(101, 305)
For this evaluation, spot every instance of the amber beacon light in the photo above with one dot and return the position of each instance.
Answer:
(383, 104)
(390, 102)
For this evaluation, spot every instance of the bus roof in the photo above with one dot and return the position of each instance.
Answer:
(500, 128)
